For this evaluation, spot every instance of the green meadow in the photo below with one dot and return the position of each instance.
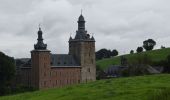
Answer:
(150, 87)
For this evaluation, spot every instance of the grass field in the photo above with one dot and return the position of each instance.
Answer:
(153, 87)
(155, 55)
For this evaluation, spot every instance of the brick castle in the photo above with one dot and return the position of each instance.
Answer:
(46, 70)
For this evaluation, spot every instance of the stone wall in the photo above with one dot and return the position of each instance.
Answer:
(84, 53)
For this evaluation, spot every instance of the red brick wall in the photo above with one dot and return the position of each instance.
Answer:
(64, 76)
(42, 75)
(40, 68)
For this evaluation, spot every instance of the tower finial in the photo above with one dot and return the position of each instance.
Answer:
(40, 44)
(81, 11)
(39, 26)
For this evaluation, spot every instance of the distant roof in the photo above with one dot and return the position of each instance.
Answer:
(23, 63)
(113, 68)
(63, 60)
(57, 60)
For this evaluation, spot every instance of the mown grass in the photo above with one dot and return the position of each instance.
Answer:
(131, 88)
(155, 55)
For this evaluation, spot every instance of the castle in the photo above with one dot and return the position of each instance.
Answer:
(46, 70)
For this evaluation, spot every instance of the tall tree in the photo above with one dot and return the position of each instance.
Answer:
(139, 49)
(149, 44)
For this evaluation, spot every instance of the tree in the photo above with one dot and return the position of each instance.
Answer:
(139, 49)
(114, 52)
(166, 64)
(149, 44)
(162, 47)
(7, 72)
(103, 53)
(131, 51)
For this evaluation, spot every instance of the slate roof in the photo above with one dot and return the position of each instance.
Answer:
(23, 62)
(114, 70)
(63, 60)
(57, 60)
(81, 18)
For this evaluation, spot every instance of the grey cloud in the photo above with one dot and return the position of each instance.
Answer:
(116, 24)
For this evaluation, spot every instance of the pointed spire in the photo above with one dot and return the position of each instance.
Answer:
(81, 22)
(92, 38)
(70, 37)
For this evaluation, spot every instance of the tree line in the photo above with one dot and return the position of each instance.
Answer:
(106, 53)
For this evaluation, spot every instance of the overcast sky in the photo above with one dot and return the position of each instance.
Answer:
(116, 24)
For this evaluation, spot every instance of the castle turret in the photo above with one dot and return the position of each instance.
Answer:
(40, 44)
(82, 47)
(40, 58)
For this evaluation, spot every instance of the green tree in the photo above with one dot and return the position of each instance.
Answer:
(7, 72)
(139, 49)
(103, 53)
(131, 52)
(114, 52)
(149, 44)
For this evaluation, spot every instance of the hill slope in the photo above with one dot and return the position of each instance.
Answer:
(132, 88)
(155, 55)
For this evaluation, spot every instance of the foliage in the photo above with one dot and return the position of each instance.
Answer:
(137, 66)
(163, 47)
(139, 49)
(21, 89)
(149, 44)
(130, 88)
(104, 53)
(131, 52)
(114, 53)
(100, 74)
(7, 72)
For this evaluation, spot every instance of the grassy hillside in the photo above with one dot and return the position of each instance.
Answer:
(155, 55)
(132, 88)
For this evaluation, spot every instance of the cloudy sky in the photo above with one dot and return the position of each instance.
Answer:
(116, 24)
